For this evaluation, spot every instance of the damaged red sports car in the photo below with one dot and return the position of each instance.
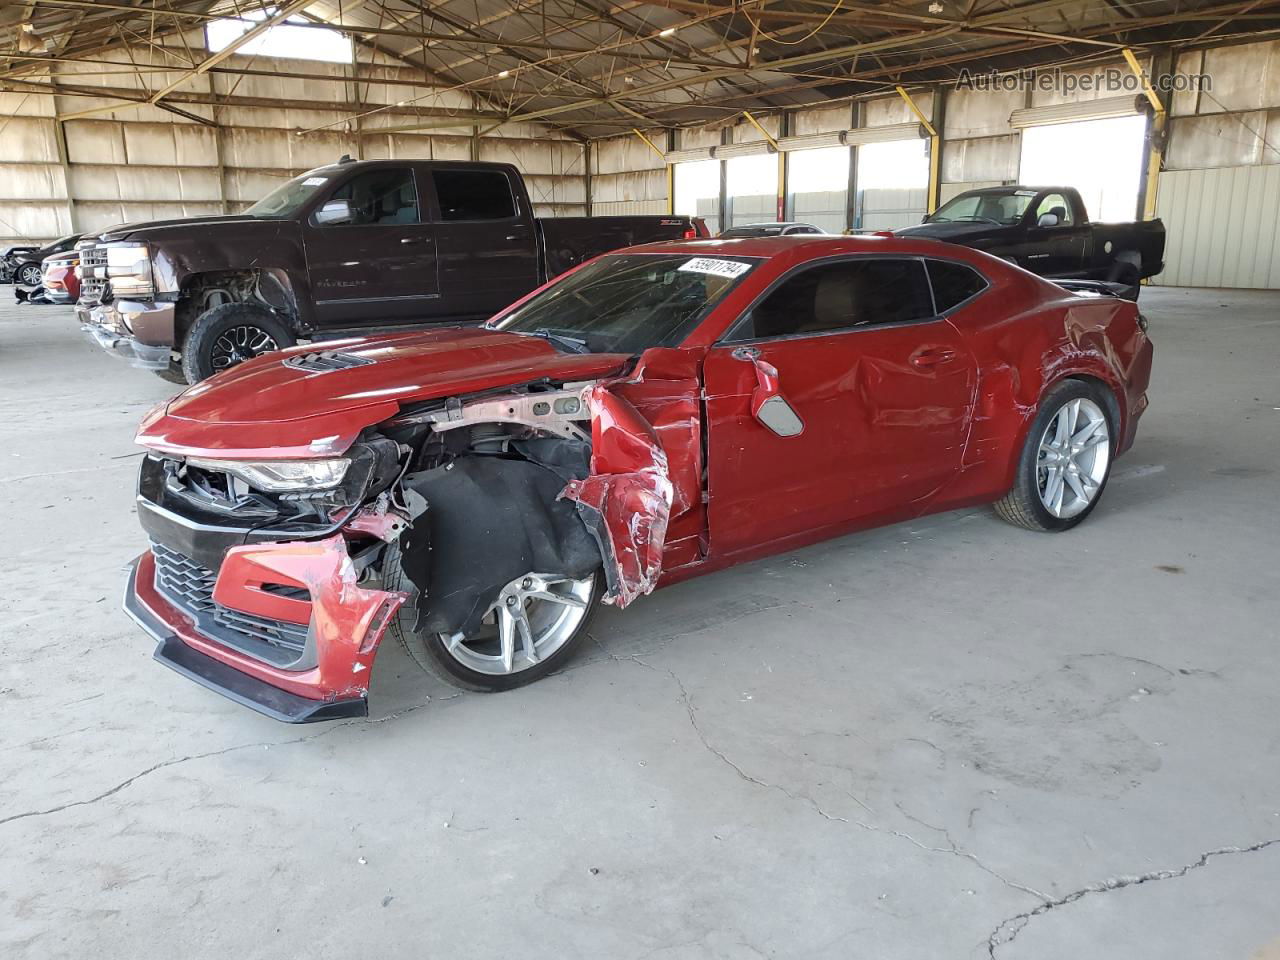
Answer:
(657, 413)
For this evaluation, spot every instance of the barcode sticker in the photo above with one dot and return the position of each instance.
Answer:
(721, 268)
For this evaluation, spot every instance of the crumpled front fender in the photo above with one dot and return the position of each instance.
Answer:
(629, 490)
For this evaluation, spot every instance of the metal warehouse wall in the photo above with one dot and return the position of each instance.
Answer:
(1220, 193)
(627, 176)
(133, 163)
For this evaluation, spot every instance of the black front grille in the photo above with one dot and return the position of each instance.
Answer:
(189, 586)
(183, 581)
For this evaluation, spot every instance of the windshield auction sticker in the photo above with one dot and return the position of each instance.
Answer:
(313, 181)
(721, 268)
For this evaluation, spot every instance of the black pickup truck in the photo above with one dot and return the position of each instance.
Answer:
(1047, 230)
(358, 246)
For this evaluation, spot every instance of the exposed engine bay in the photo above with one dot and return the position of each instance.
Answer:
(462, 495)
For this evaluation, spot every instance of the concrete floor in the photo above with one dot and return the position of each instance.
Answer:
(949, 738)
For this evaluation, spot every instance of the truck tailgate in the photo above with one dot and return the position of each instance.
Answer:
(568, 241)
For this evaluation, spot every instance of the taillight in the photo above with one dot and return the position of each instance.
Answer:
(691, 234)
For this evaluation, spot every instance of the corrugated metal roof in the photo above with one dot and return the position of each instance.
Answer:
(595, 67)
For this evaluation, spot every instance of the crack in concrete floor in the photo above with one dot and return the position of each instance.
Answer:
(996, 940)
(175, 761)
(952, 850)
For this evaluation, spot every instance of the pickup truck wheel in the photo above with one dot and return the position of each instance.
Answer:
(229, 334)
(537, 623)
(1065, 460)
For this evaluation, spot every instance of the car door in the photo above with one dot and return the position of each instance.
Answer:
(488, 245)
(881, 388)
(371, 257)
(1055, 249)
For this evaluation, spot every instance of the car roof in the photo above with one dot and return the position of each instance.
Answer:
(1010, 188)
(812, 246)
(770, 223)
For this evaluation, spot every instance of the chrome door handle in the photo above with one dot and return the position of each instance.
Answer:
(415, 239)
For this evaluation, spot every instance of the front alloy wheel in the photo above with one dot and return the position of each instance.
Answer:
(534, 617)
(29, 275)
(533, 627)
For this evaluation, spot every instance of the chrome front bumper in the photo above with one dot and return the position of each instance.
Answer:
(106, 325)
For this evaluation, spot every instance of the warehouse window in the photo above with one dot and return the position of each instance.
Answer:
(285, 39)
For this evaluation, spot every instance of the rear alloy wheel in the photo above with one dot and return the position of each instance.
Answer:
(230, 334)
(534, 627)
(1065, 462)
(29, 275)
(1074, 456)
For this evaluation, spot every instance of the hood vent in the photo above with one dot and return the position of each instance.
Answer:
(324, 361)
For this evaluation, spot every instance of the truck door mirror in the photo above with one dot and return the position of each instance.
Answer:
(334, 212)
(1047, 220)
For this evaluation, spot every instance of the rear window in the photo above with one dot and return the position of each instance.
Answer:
(473, 195)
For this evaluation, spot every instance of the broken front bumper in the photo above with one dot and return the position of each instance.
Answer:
(247, 632)
(121, 327)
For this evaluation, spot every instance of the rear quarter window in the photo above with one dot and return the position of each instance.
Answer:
(953, 284)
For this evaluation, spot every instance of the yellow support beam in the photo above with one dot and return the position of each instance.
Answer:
(935, 149)
(767, 135)
(649, 143)
(671, 170)
(1155, 156)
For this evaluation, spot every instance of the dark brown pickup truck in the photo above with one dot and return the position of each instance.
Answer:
(359, 246)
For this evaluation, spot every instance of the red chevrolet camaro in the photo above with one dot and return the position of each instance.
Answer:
(657, 413)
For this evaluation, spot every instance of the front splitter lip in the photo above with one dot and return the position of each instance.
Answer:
(224, 679)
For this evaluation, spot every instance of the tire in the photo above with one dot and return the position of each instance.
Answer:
(228, 334)
(172, 374)
(1028, 503)
(430, 651)
(28, 275)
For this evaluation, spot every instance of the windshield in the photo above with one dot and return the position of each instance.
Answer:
(627, 303)
(287, 199)
(989, 207)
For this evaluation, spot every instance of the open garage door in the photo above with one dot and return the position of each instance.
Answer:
(892, 176)
(1094, 146)
(751, 186)
(818, 186)
(697, 191)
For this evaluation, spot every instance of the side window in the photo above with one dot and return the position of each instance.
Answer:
(474, 195)
(376, 197)
(1056, 204)
(844, 295)
(953, 283)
